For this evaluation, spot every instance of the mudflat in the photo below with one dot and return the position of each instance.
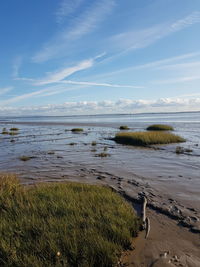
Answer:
(169, 180)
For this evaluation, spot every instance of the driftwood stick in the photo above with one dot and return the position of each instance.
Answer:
(144, 212)
(147, 227)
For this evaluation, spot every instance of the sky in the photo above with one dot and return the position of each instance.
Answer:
(70, 57)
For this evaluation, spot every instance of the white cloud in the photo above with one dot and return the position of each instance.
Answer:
(137, 39)
(5, 90)
(107, 106)
(16, 66)
(64, 73)
(178, 80)
(66, 8)
(84, 24)
(160, 64)
(185, 22)
(101, 84)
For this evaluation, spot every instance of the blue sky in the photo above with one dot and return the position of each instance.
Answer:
(99, 56)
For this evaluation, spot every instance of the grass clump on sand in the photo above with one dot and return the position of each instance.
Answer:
(13, 133)
(72, 144)
(62, 224)
(94, 143)
(14, 129)
(4, 131)
(26, 158)
(182, 150)
(102, 155)
(147, 138)
(124, 127)
(160, 127)
(76, 130)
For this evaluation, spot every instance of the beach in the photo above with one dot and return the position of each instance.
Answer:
(169, 180)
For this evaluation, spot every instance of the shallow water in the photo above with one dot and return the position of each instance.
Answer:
(164, 170)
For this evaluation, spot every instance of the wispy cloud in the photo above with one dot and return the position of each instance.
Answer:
(16, 66)
(66, 8)
(5, 90)
(137, 39)
(166, 63)
(185, 22)
(178, 80)
(84, 24)
(64, 73)
(101, 84)
(42, 92)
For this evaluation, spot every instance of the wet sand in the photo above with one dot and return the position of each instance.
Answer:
(167, 245)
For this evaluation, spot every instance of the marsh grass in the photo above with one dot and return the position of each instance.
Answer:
(51, 152)
(102, 155)
(62, 224)
(160, 127)
(4, 131)
(13, 133)
(182, 150)
(26, 158)
(124, 127)
(72, 144)
(94, 143)
(147, 138)
(14, 129)
(77, 130)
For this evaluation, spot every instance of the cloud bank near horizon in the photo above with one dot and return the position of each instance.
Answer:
(107, 107)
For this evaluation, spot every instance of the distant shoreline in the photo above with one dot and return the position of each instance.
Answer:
(98, 115)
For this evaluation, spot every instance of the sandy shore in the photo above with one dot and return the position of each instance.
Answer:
(167, 245)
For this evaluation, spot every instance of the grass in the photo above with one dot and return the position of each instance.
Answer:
(102, 155)
(25, 158)
(4, 131)
(62, 224)
(94, 143)
(124, 127)
(13, 133)
(76, 130)
(160, 127)
(14, 129)
(182, 150)
(72, 144)
(51, 152)
(147, 138)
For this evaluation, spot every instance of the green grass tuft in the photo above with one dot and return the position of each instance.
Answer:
(72, 144)
(63, 224)
(182, 150)
(124, 127)
(147, 138)
(14, 129)
(25, 158)
(160, 127)
(102, 155)
(13, 133)
(94, 143)
(4, 131)
(76, 130)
